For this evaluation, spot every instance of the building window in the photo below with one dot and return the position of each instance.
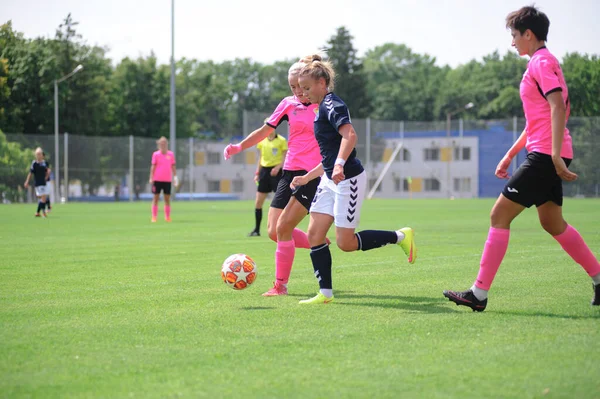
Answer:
(372, 183)
(239, 159)
(214, 158)
(397, 184)
(405, 155)
(466, 153)
(432, 154)
(237, 185)
(432, 185)
(462, 184)
(214, 186)
(405, 185)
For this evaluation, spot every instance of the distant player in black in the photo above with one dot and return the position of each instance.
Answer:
(40, 171)
(48, 205)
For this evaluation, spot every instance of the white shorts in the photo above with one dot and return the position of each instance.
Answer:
(41, 190)
(343, 201)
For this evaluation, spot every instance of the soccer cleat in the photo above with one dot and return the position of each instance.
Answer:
(318, 299)
(466, 298)
(408, 244)
(596, 298)
(37, 215)
(153, 220)
(278, 289)
(254, 233)
(168, 220)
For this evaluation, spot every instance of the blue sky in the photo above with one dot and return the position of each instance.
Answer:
(453, 31)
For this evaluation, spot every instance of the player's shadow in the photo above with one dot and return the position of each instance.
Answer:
(258, 308)
(410, 303)
(547, 314)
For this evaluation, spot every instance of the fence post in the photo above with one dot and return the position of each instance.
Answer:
(191, 166)
(245, 123)
(66, 166)
(459, 155)
(368, 144)
(515, 160)
(130, 168)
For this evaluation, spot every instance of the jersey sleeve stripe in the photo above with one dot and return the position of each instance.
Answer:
(553, 90)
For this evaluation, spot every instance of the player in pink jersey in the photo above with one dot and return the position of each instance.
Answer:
(162, 173)
(538, 181)
(288, 208)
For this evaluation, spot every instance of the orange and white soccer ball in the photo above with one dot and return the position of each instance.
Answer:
(238, 271)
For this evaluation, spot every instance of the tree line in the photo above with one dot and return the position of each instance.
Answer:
(132, 97)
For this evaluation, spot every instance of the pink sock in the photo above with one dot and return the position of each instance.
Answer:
(572, 242)
(284, 258)
(493, 253)
(154, 210)
(300, 239)
(167, 211)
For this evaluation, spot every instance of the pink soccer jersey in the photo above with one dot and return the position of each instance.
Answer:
(163, 162)
(542, 77)
(303, 150)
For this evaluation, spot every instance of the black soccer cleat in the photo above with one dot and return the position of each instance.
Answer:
(596, 298)
(254, 233)
(466, 298)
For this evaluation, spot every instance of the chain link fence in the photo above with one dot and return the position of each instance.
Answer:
(402, 159)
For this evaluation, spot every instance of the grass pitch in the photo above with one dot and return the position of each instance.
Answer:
(97, 302)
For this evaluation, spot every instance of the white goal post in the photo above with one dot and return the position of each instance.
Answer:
(385, 169)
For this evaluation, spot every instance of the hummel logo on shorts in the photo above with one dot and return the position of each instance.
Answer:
(512, 190)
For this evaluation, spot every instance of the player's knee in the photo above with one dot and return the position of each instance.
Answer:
(346, 245)
(315, 239)
(498, 219)
(272, 233)
(553, 227)
(284, 228)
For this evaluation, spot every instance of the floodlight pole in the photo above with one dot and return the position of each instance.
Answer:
(172, 106)
(56, 149)
(450, 147)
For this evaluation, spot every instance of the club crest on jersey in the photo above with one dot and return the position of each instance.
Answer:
(274, 151)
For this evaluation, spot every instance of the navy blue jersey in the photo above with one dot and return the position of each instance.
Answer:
(38, 169)
(333, 113)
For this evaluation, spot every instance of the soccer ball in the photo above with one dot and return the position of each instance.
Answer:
(238, 271)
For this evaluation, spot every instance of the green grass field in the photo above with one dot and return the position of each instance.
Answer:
(97, 302)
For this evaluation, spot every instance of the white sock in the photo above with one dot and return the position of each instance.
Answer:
(400, 236)
(596, 279)
(327, 292)
(479, 293)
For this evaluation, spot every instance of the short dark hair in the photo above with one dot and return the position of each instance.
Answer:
(530, 18)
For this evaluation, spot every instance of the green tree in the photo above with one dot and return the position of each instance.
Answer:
(351, 81)
(402, 85)
(84, 99)
(491, 84)
(139, 98)
(14, 161)
(582, 73)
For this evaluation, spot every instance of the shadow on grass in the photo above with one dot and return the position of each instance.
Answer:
(547, 314)
(410, 303)
(258, 308)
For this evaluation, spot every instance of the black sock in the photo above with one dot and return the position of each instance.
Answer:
(369, 239)
(40, 206)
(48, 203)
(258, 217)
(321, 260)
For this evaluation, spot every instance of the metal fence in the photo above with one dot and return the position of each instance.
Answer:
(431, 160)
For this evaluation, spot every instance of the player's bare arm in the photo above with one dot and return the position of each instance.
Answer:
(558, 113)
